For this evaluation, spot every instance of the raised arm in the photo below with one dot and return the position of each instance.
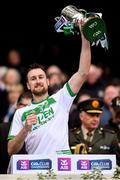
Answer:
(77, 80)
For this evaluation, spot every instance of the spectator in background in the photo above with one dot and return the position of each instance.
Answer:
(74, 119)
(14, 92)
(95, 82)
(83, 96)
(114, 122)
(12, 77)
(111, 91)
(23, 100)
(14, 60)
(3, 93)
(56, 78)
(3, 70)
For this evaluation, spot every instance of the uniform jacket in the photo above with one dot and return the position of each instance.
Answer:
(104, 142)
(113, 127)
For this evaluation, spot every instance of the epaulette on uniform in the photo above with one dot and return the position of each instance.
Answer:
(109, 131)
(75, 130)
(100, 130)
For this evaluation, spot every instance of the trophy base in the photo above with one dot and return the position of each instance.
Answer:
(94, 29)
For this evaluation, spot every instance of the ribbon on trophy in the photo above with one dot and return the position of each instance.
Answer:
(94, 28)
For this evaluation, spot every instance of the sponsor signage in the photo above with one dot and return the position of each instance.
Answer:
(41, 164)
(61, 164)
(103, 164)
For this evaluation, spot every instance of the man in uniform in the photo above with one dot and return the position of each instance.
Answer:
(89, 138)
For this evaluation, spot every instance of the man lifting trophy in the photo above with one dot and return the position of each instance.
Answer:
(94, 28)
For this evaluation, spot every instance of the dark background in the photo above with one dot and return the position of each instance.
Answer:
(30, 29)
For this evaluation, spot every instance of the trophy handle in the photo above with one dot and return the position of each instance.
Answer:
(57, 18)
(83, 11)
(93, 14)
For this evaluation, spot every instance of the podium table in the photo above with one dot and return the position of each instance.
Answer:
(62, 164)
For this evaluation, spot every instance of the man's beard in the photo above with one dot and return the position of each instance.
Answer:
(41, 92)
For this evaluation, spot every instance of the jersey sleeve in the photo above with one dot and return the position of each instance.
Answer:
(66, 97)
(16, 125)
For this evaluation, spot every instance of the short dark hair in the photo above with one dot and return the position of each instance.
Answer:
(24, 95)
(34, 66)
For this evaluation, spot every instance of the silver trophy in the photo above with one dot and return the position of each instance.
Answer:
(94, 28)
(72, 14)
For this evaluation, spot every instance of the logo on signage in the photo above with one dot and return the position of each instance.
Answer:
(23, 165)
(43, 164)
(83, 164)
(103, 164)
(64, 164)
